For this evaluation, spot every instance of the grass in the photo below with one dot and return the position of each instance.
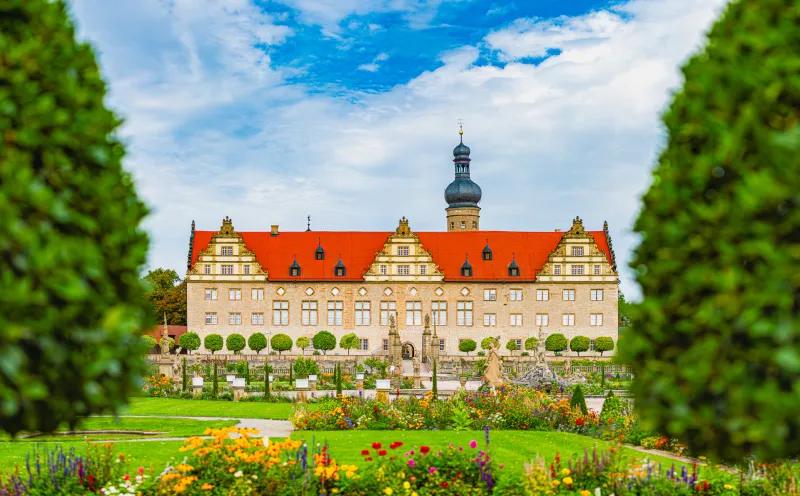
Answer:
(208, 408)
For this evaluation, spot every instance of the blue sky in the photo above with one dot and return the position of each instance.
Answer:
(268, 111)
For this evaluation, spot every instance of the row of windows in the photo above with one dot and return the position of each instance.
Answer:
(518, 341)
(280, 315)
(576, 270)
(488, 294)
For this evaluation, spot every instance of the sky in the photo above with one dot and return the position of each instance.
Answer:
(347, 110)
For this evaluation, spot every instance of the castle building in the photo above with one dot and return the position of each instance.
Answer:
(421, 288)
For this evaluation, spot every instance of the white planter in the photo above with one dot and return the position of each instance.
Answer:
(301, 383)
(359, 377)
(312, 378)
(271, 378)
(382, 384)
(239, 382)
(197, 382)
(230, 377)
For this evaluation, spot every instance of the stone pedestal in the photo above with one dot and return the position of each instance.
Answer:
(312, 382)
(417, 382)
(301, 387)
(463, 381)
(382, 386)
(238, 388)
(197, 391)
(165, 366)
(197, 386)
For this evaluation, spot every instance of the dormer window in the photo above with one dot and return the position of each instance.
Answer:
(294, 269)
(487, 252)
(513, 268)
(339, 270)
(319, 254)
(466, 269)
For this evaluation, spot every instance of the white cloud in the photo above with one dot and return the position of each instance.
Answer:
(497, 9)
(374, 65)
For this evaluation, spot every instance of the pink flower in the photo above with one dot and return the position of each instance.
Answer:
(412, 463)
(432, 470)
(127, 477)
(473, 444)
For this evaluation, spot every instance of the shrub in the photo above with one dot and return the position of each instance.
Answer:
(324, 341)
(467, 345)
(530, 344)
(719, 321)
(349, 342)
(235, 343)
(304, 367)
(511, 346)
(579, 344)
(281, 343)
(578, 401)
(257, 342)
(189, 341)
(73, 306)
(481, 353)
(603, 344)
(213, 342)
(149, 342)
(486, 342)
(303, 343)
(555, 342)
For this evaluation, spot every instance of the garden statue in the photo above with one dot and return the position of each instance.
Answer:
(568, 367)
(538, 353)
(415, 362)
(494, 370)
(165, 338)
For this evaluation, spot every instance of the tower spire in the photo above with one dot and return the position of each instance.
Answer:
(462, 195)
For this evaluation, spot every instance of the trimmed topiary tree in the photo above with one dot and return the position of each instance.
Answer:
(714, 341)
(324, 341)
(149, 342)
(511, 346)
(235, 343)
(281, 343)
(213, 343)
(486, 342)
(579, 344)
(189, 341)
(303, 343)
(603, 344)
(530, 344)
(555, 343)
(349, 342)
(467, 345)
(577, 400)
(257, 342)
(71, 245)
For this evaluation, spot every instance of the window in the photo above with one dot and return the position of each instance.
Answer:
(568, 319)
(452, 225)
(596, 319)
(402, 251)
(235, 318)
(542, 294)
(211, 293)
(413, 313)
(466, 271)
(308, 313)
(206, 269)
(464, 315)
(246, 269)
(515, 295)
(257, 319)
(227, 251)
(542, 320)
(211, 318)
(441, 345)
(257, 294)
(597, 295)
(385, 345)
(577, 270)
(383, 270)
(515, 320)
(280, 313)
(591, 345)
(362, 313)
(388, 308)
(439, 311)
(489, 295)
(363, 344)
(403, 270)
(568, 295)
(519, 343)
(513, 271)
(463, 225)
(577, 251)
(235, 294)
(474, 225)
(490, 319)
(227, 269)
(294, 271)
(335, 313)
(556, 270)
(597, 270)
(423, 270)
(339, 271)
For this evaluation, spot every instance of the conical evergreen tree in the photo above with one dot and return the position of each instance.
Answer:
(338, 380)
(185, 377)
(577, 400)
(267, 390)
(434, 384)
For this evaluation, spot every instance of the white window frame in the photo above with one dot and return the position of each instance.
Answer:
(596, 319)
(542, 295)
(308, 312)
(568, 319)
(414, 313)
(489, 319)
(388, 308)
(385, 345)
(257, 294)
(402, 251)
(235, 294)
(257, 318)
(576, 270)
(464, 313)
(280, 312)
(568, 295)
(423, 270)
(515, 294)
(235, 318)
(489, 295)
(227, 251)
(363, 344)
(596, 295)
(577, 251)
(515, 320)
(441, 345)
(335, 312)
(403, 270)
(556, 270)
(211, 318)
(211, 294)
(227, 269)
(383, 270)
(207, 269)
(439, 312)
(597, 270)
(542, 320)
(363, 313)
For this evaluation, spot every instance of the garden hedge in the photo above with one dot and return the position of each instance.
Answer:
(213, 342)
(257, 342)
(324, 341)
(72, 305)
(714, 341)
(281, 343)
(235, 343)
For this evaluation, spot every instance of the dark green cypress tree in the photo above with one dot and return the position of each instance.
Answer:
(291, 367)
(185, 377)
(577, 400)
(214, 387)
(267, 391)
(434, 384)
(338, 380)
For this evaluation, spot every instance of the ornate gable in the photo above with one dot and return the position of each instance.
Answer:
(403, 258)
(577, 259)
(227, 258)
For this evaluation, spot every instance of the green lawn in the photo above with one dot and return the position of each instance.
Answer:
(206, 408)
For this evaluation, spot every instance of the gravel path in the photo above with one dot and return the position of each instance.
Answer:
(266, 428)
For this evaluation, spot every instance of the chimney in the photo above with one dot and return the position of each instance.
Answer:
(273, 230)
(557, 230)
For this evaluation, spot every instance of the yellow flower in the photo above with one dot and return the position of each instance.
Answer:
(701, 457)
(585, 493)
(728, 486)
(406, 485)
(335, 490)
(568, 481)
(556, 482)
(206, 487)
(565, 471)
(388, 491)
(231, 470)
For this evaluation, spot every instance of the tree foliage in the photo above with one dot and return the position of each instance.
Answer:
(189, 341)
(303, 343)
(625, 309)
(213, 343)
(603, 344)
(324, 341)
(467, 345)
(304, 367)
(349, 342)
(578, 400)
(281, 343)
(73, 307)
(511, 346)
(531, 343)
(579, 344)
(257, 342)
(166, 293)
(714, 340)
(555, 342)
(149, 341)
(235, 343)
(486, 342)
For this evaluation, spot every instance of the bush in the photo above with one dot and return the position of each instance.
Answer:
(189, 341)
(304, 367)
(578, 401)
(235, 343)
(481, 353)
(213, 342)
(257, 342)
(555, 342)
(486, 342)
(303, 343)
(467, 345)
(603, 344)
(73, 307)
(715, 339)
(324, 341)
(579, 344)
(149, 342)
(349, 342)
(511, 346)
(281, 343)
(530, 344)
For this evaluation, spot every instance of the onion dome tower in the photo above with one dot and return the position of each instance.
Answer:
(462, 195)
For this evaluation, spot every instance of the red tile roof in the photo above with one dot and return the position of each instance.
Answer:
(358, 250)
(174, 331)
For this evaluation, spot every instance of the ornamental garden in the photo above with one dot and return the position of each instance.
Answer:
(700, 398)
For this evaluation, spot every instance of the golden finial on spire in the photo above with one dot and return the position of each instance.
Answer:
(461, 129)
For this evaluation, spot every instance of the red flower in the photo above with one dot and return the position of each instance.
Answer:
(382, 453)
(376, 445)
(395, 444)
(368, 459)
(579, 421)
(444, 484)
(424, 450)
(365, 452)
(412, 478)
(705, 485)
